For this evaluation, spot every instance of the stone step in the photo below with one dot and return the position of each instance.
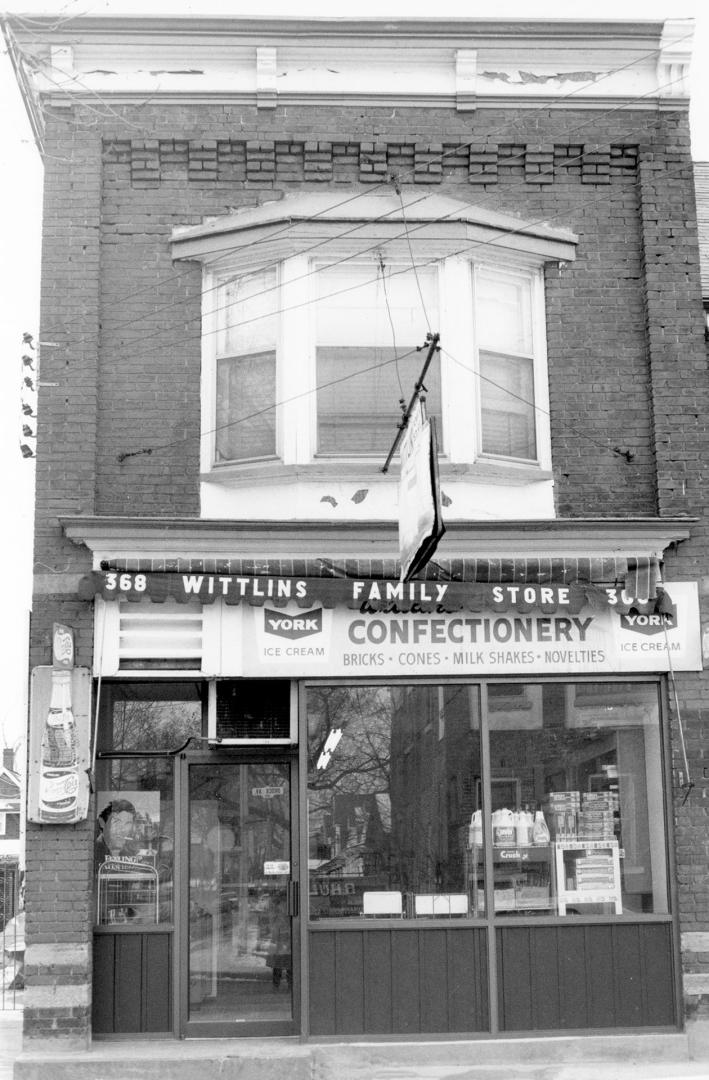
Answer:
(608, 1057)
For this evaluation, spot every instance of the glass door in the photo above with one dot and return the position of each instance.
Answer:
(242, 898)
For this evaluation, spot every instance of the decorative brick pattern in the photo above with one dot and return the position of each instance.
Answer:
(428, 167)
(260, 162)
(289, 162)
(482, 164)
(539, 163)
(372, 162)
(318, 161)
(596, 167)
(228, 161)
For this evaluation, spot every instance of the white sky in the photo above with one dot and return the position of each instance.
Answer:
(20, 200)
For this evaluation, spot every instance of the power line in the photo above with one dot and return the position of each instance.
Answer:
(268, 408)
(453, 152)
(375, 246)
(149, 450)
(626, 454)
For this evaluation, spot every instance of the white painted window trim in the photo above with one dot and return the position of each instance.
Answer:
(296, 411)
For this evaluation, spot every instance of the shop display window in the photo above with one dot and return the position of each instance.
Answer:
(577, 808)
(401, 812)
(391, 790)
(141, 726)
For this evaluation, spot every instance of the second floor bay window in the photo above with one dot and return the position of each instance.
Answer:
(315, 324)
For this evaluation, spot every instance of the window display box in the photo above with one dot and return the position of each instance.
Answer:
(588, 872)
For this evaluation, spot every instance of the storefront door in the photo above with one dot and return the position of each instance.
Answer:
(240, 929)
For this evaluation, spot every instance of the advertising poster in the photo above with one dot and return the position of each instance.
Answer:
(60, 723)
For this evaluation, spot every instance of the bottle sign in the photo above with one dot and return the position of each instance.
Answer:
(59, 762)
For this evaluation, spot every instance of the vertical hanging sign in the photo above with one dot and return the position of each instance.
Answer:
(420, 524)
(58, 784)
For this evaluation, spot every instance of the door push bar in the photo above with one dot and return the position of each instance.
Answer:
(293, 898)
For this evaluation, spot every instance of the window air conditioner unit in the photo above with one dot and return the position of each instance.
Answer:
(252, 712)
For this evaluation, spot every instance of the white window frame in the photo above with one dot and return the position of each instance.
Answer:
(460, 442)
(454, 236)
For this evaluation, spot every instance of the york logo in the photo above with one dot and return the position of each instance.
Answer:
(292, 626)
(649, 624)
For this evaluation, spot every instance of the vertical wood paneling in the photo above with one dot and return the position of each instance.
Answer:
(103, 984)
(628, 974)
(544, 963)
(380, 981)
(468, 981)
(657, 975)
(406, 974)
(322, 983)
(592, 976)
(132, 983)
(350, 983)
(514, 984)
(378, 997)
(601, 967)
(128, 983)
(435, 987)
(156, 995)
(570, 947)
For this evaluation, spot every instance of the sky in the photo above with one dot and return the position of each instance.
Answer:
(20, 207)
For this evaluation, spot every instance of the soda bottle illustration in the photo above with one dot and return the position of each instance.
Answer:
(59, 773)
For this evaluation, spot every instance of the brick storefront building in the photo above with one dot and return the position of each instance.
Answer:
(330, 779)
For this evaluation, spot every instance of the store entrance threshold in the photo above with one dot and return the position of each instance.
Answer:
(654, 1056)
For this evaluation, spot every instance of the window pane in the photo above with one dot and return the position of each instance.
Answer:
(393, 778)
(246, 417)
(507, 402)
(135, 840)
(360, 414)
(368, 322)
(246, 314)
(581, 765)
(503, 313)
(247, 325)
(149, 716)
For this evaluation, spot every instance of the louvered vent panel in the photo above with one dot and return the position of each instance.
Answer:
(257, 709)
(160, 636)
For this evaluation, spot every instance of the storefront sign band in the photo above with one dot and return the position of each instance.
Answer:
(366, 595)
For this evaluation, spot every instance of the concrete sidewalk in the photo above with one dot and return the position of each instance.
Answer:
(613, 1057)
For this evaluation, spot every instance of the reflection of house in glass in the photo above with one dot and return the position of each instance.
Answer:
(352, 850)
(435, 758)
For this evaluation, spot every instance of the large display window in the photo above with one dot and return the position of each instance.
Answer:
(534, 799)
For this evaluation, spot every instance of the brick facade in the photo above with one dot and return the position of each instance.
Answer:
(627, 370)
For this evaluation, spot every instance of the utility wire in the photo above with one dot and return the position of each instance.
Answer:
(538, 408)
(391, 324)
(268, 408)
(453, 152)
(467, 249)
(149, 450)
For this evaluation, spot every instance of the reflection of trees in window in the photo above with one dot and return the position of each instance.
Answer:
(349, 803)
(399, 784)
(155, 725)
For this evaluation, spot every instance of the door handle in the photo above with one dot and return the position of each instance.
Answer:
(293, 898)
